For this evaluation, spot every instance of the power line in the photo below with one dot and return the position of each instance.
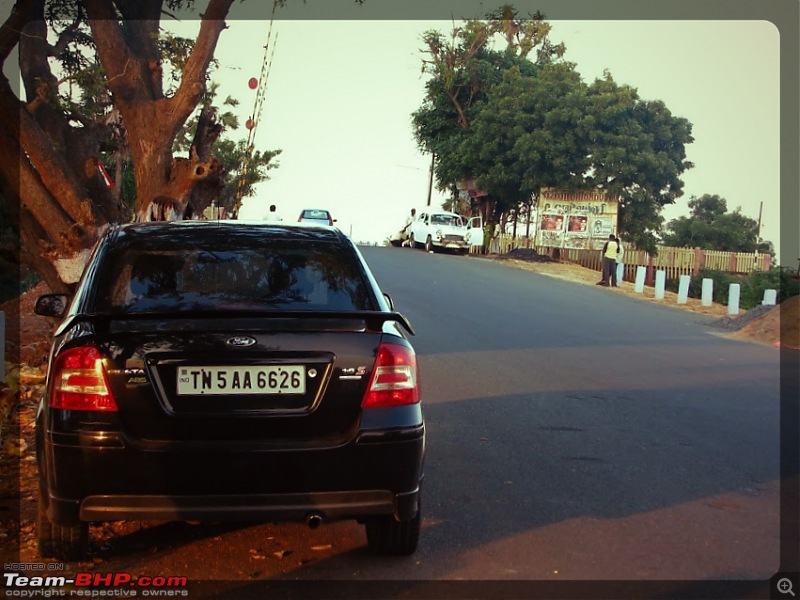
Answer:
(255, 117)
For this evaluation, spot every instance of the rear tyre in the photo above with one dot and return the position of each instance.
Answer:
(428, 245)
(58, 541)
(387, 536)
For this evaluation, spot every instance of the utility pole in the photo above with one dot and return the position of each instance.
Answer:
(758, 230)
(430, 179)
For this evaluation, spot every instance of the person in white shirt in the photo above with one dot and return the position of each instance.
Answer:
(406, 230)
(272, 215)
(620, 267)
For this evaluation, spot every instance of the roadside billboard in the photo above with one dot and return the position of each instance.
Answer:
(575, 219)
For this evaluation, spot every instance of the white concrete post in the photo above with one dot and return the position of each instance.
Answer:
(770, 297)
(640, 275)
(733, 299)
(683, 289)
(620, 272)
(708, 292)
(661, 281)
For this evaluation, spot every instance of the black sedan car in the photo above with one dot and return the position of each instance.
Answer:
(217, 370)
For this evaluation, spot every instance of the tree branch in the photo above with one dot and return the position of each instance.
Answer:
(11, 30)
(112, 49)
(50, 164)
(22, 181)
(193, 77)
(64, 38)
(143, 18)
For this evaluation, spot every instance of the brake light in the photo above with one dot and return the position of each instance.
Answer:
(78, 381)
(394, 380)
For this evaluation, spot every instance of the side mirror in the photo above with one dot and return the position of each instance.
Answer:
(51, 305)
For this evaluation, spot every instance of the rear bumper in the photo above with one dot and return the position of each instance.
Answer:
(327, 506)
(378, 473)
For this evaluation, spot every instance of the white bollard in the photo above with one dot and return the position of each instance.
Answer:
(733, 299)
(640, 275)
(683, 289)
(770, 297)
(620, 272)
(708, 292)
(661, 281)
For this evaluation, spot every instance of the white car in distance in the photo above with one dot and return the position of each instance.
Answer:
(439, 229)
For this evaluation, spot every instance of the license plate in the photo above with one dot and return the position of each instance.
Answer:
(283, 379)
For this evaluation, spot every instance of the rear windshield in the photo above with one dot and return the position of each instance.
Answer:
(315, 214)
(142, 280)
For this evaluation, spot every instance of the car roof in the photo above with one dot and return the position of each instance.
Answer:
(225, 228)
(444, 212)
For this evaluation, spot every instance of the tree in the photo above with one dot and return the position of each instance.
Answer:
(463, 70)
(638, 153)
(50, 143)
(711, 227)
(520, 125)
(63, 202)
(526, 136)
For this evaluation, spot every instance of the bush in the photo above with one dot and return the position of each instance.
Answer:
(777, 278)
(752, 286)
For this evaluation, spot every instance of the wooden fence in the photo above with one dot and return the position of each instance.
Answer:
(673, 261)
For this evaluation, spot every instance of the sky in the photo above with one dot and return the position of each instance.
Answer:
(340, 95)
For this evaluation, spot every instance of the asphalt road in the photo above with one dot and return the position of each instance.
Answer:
(574, 434)
(580, 434)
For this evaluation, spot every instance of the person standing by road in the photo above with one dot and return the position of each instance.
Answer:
(406, 230)
(619, 269)
(609, 264)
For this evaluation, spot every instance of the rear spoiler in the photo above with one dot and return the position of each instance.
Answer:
(373, 318)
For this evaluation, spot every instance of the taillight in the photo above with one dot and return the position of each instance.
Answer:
(394, 378)
(78, 381)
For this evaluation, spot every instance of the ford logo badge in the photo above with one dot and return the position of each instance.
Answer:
(241, 341)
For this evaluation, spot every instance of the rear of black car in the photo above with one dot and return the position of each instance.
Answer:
(226, 370)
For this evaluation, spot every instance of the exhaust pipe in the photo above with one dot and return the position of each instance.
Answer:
(313, 520)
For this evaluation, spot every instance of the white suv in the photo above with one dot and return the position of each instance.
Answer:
(439, 229)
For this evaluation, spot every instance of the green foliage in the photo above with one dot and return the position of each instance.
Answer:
(778, 278)
(712, 227)
(526, 136)
(752, 286)
(232, 154)
(640, 220)
(519, 125)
